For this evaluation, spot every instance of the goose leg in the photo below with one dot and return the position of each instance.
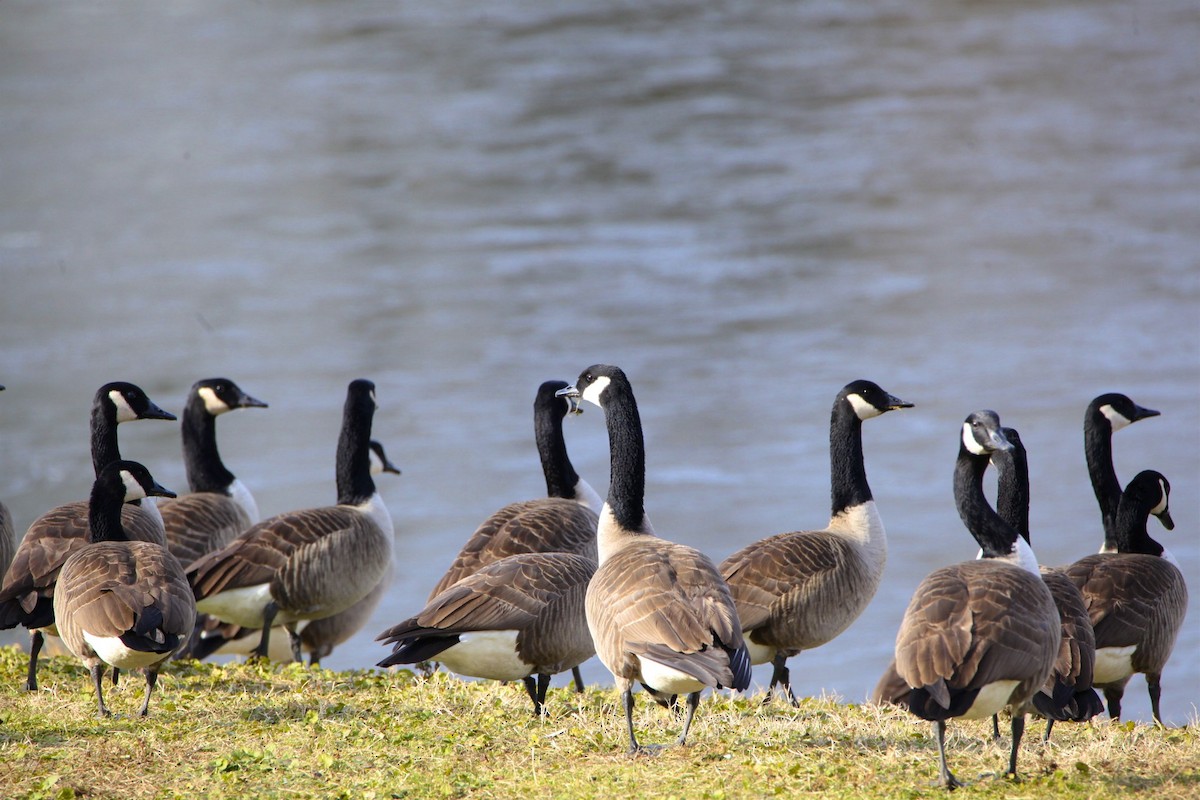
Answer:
(693, 700)
(948, 779)
(264, 642)
(1112, 697)
(531, 690)
(36, 640)
(996, 728)
(542, 687)
(1049, 727)
(578, 676)
(1154, 686)
(1018, 730)
(627, 700)
(151, 679)
(98, 680)
(781, 676)
(296, 643)
(116, 675)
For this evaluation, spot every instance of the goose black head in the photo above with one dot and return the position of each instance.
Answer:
(869, 400)
(127, 402)
(220, 395)
(982, 435)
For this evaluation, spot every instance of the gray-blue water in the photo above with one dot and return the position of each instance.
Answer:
(745, 205)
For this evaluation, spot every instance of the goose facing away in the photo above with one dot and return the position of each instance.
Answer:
(27, 593)
(796, 591)
(511, 619)
(219, 506)
(659, 612)
(120, 602)
(1136, 597)
(308, 564)
(1105, 415)
(979, 635)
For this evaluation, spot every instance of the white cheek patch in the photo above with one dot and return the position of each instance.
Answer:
(1115, 418)
(125, 412)
(212, 404)
(862, 408)
(1162, 505)
(970, 443)
(595, 389)
(133, 489)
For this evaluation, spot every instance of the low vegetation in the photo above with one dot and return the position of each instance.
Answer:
(256, 730)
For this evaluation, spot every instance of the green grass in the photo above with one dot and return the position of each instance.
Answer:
(241, 731)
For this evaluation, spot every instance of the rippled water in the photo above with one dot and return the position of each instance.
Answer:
(746, 206)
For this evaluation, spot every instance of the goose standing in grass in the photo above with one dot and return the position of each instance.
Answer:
(512, 619)
(659, 612)
(27, 594)
(1136, 597)
(562, 522)
(219, 506)
(796, 591)
(120, 602)
(979, 635)
(309, 564)
(1067, 694)
(1105, 415)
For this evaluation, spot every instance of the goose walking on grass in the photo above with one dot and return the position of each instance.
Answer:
(512, 619)
(219, 506)
(979, 635)
(1105, 415)
(1136, 597)
(659, 612)
(310, 564)
(796, 591)
(120, 602)
(27, 593)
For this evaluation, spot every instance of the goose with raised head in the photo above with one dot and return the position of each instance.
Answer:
(980, 635)
(318, 637)
(796, 591)
(309, 564)
(659, 612)
(1136, 598)
(120, 602)
(27, 594)
(1105, 415)
(512, 619)
(1067, 695)
(219, 506)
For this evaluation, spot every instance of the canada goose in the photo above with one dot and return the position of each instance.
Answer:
(318, 637)
(1136, 597)
(120, 602)
(1067, 694)
(1106, 415)
(659, 612)
(509, 620)
(27, 595)
(219, 506)
(796, 591)
(308, 564)
(979, 635)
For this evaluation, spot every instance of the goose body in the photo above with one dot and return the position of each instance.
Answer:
(1136, 598)
(1105, 415)
(659, 612)
(308, 564)
(981, 635)
(27, 593)
(219, 506)
(796, 591)
(515, 618)
(119, 602)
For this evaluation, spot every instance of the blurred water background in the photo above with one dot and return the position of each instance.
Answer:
(745, 205)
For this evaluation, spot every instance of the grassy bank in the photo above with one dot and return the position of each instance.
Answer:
(286, 731)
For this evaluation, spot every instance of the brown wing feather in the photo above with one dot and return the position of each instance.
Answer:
(1077, 650)
(197, 524)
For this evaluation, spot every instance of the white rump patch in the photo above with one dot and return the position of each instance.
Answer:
(991, 699)
(113, 651)
(486, 654)
(667, 680)
(862, 409)
(125, 413)
(243, 606)
(1113, 664)
(212, 404)
(595, 389)
(1115, 418)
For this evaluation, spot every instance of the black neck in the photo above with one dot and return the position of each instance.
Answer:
(847, 473)
(205, 471)
(1131, 534)
(561, 476)
(995, 536)
(1097, 448)
(104, 434)
(627, 457)
(354, 482)
(104, 513)
(1012, 488)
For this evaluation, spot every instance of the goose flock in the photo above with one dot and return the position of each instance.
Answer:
(135, 576)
